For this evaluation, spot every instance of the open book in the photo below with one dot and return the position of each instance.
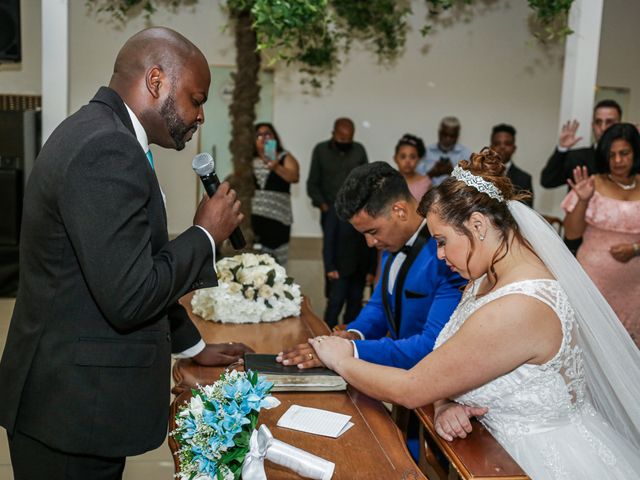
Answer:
(291, 378)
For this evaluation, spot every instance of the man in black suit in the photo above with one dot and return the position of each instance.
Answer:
(503, 141)
(85, 373)
(564, 158)
(350, 265)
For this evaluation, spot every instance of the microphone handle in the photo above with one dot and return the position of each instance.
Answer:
(211, 184)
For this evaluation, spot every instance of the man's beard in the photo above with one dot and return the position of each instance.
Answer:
(175, 125)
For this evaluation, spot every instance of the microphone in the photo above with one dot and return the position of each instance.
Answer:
(204, 166)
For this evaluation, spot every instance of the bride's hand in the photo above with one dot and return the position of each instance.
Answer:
(331, 350)
(452, 419)
(583, 184)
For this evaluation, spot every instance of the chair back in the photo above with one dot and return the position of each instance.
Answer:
(555, 222)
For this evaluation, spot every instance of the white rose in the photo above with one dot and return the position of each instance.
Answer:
(235, 287)
(266, 259)
(250, 294)
(259, 280)
(196, 405)
(265, 291)
(249, 260)
(227, 263)
(225, 276)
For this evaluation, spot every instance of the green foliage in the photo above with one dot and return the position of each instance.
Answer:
(121, 10)
(313, 33)
(552, 17)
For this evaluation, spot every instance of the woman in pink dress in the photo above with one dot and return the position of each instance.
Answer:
(409, 150)
(604, 209)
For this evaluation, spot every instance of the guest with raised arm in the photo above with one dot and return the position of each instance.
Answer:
(604, 209)
(416, 292)
(409, 150)
(274, 170)
(559, 167)
(533, 345)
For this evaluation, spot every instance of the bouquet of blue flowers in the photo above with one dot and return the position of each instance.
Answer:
(214, 429)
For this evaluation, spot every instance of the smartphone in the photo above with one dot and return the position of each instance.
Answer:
(270, 149)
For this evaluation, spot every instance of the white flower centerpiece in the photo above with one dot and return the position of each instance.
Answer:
(251, 289)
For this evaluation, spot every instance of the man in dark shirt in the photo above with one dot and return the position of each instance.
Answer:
(503, 141)
(331, 163)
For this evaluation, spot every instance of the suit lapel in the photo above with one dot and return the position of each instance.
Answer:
(386, 302)
(394, 317)
(398, 289)
(158, 222)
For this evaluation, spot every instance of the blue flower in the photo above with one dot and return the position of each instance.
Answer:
(206, 466)
(189, 427)
(210, 418)
(238, 389)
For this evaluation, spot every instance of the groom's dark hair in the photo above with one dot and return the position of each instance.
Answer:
(373, 188)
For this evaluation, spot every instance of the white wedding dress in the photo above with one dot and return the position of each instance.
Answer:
(541, 414)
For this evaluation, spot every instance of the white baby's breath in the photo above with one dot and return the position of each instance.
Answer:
(251, 289)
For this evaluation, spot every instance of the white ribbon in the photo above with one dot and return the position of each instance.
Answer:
(262, 445)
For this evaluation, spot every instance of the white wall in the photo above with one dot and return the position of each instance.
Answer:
(24, 77)
(485, 70)
(619, 64)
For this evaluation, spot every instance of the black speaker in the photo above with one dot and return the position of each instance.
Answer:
(10, 45)
(18, 150)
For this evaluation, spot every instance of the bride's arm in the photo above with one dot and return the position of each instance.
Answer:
(496, 339)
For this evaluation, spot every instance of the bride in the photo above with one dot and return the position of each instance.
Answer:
(533, 347)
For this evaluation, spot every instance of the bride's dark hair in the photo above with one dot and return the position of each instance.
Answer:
(454, 201)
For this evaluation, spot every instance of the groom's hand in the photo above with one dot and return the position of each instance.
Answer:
(302, 355)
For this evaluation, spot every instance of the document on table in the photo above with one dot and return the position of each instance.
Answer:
(315, 420)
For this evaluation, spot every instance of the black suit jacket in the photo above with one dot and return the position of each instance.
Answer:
(560, 165)
(86, 367)
(521, 180)
(344, 249)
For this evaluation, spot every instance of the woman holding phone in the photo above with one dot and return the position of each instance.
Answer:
(274, 170)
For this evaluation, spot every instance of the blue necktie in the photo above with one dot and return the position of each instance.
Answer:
(150, 158)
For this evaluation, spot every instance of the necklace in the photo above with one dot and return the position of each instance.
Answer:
(623, 186)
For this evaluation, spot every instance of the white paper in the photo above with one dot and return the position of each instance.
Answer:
(315, 420)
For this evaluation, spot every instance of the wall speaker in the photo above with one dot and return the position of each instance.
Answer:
(10, 45)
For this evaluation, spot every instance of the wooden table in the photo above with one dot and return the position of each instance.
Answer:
(478, 456)
(373, 448)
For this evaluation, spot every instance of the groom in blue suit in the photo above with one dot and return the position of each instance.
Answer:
(416, 293)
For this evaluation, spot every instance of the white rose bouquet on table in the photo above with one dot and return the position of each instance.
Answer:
(251, 289)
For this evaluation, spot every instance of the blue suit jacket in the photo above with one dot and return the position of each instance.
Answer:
(430, 294)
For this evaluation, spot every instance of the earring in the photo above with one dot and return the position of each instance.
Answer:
(481, 237)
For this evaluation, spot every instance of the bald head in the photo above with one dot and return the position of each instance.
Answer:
(164, 79)
(156, 46)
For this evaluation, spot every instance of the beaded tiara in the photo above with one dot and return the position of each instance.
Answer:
(477, 182)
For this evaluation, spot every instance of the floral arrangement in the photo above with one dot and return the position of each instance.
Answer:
(214, 429)
(251, 289)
